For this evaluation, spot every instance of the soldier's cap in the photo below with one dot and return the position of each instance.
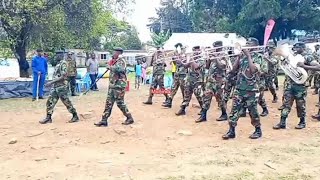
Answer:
(196, 48)
(178, 44)
(299, 45)
(39, 50)
(118, 49)
(252, 40)
(217, 44)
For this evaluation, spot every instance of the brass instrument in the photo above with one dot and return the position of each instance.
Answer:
(239, 48)
(289, 64)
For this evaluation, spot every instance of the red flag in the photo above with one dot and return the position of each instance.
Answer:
(268, 30)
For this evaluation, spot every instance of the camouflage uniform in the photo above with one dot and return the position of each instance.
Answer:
(230, 83)
(270, 77)
(262, 83)
(60, 91)
(72, 73)
(116, 92)
(297, 92)
(316, 80)
(194, 84)
(159, 69)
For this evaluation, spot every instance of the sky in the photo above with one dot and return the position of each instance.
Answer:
(143, 9)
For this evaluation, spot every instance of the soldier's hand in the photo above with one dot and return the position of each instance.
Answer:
(246, 52)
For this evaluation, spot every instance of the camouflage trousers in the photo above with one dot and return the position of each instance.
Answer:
(72, 84)
(195, 88)
(57, 93)
(270, 84)
(157, 80)
(178, 82)
(242, 99)
(213, 89)
(298, 93)
(115, 95)
(261, 100)
(228, 87)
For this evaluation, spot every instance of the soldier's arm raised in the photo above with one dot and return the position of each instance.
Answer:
(119, 66)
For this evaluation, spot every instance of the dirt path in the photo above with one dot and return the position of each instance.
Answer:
(152, 148)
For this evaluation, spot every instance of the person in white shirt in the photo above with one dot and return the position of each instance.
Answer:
(93, 70)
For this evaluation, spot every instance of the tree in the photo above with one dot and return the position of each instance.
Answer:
(158, 40)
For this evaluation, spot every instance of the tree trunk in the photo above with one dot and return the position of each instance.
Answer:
(21, 55)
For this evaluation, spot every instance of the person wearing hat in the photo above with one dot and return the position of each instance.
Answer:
(213, 87)
(116, 90)
(194, 80)
(273, 64)
(60, 91)
(159, 69)
(40, 70)
(72, 72)
(297, 92)
(246, 92)
(179, 77)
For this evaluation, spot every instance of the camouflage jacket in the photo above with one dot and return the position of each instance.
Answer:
(61, 70)
(258, 59)
(316, 56)
(159, 66)
(118, 77)
(181, 70)
(72, 67)
(197, 75)
(245, 83)
(215, 72)
(273, 66)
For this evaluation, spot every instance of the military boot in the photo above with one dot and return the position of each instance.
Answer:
(166, 101)
(102, 123)
(182, 111)
(316, 117)
(302, 123)
(168, 104)
(224, 115)
(256, 134)
(129, 120)
(230, 134)
(74, 118)
(281, 108)
(265, 112)
(149, 101)
(74, 94)
(275, 99)
(46, 120)
(281, 124)
(203, 116)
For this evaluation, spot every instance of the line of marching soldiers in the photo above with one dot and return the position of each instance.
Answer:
(251, 74)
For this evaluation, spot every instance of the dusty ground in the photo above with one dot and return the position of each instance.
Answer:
(152, 148)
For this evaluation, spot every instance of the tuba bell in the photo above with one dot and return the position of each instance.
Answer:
(289, 64)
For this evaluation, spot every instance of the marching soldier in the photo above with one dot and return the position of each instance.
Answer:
(213, 87)
(262, 83)
(194, 81)
(297, 92)
(179, 77)
(59, 91)
(159, 69)
(231, 80)
(116, 90)
(272, 73)
(316, 80)
(72, 73)
(246, 91)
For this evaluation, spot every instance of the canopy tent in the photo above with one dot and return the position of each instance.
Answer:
(202, 39)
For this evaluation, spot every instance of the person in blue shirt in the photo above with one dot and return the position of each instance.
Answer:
(40, 70)
(138, 70)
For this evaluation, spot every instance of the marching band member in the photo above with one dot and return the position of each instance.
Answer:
(213, 86)
(272, 73)
(231, 80)
(194, 81)
(179, 77)
(246, 91)
(159, 69)
(116, 90)
(297, 92)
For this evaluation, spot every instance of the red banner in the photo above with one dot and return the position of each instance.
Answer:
(268, 31)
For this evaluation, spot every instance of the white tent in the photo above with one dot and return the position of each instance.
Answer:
(202, 39)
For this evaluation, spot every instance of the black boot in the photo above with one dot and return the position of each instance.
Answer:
(74, 118)
(149, 101)
(168, 104)
(46, 120)
(129, 120)
(256, 134)
(302, 123)
(281, 108)
(316, 117)
(265, 112)
(203, 116)
(224, 115)
(166, 101)
(182, 111)
(230, 134)
(275, 99)
(281, 124)
(102, 123)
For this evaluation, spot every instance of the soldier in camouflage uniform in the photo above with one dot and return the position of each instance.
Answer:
(116, 90)
(230, 83)
(72, 73)
(159, 69)
(247, 91)
(316, 80)
(194, 81)
(59, 91)
(272, 70)
(178, 79)
(214, 84)
(297, 92)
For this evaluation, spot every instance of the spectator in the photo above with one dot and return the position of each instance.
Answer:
(144, 71)
(138, 70)
(40, 70)
(173, 68)
(93, 69)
